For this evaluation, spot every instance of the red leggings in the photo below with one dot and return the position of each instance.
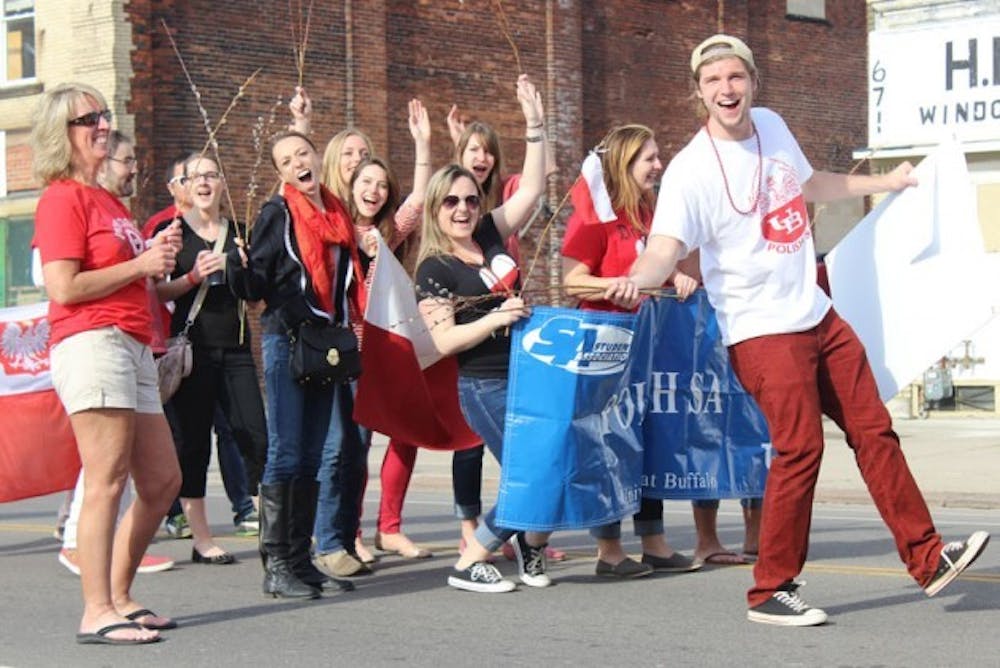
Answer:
(795, 379)
(397, 469)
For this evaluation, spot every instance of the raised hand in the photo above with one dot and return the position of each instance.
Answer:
(419, 122)
(531, 102)
(456, 126)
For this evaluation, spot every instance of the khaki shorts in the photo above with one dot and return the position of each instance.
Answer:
(105, 368)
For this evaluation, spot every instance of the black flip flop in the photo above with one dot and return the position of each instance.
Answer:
(146, 612)
(100, 637)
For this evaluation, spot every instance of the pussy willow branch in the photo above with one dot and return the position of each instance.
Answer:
(504, 24)
(300, 36)
(211, 141)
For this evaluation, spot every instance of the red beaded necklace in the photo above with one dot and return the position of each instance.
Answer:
(725, 179)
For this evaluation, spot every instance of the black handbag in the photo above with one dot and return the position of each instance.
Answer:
(323, 354)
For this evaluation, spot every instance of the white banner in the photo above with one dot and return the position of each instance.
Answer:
(935, 82)
(912, 278)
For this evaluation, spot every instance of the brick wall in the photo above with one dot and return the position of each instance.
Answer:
(599, 63)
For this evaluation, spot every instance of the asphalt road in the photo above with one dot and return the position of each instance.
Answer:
(406, 615)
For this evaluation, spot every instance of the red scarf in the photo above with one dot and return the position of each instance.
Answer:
(316, 231)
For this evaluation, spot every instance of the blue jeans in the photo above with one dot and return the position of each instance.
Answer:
(484, 405)
(647, 522)
(234, 473)
(311, 435)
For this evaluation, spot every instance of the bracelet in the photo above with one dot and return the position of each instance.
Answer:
(190, 278)
(531, 139)
(535, 127)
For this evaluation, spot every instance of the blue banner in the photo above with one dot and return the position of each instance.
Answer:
(704, 436)
(572, 451)
(604, 408)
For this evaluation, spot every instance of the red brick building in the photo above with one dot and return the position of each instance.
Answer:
(598, 64)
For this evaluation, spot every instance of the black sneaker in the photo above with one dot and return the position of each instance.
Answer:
(531, 561)
(482, 577)
(955, 558)
(786, 608)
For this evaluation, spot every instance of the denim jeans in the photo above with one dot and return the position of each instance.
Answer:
(647, 522)
(311, 435)
(484, 405)
(467, 482)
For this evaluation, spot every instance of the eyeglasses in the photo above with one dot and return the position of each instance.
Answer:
(128, 162)
(208, 176)
(452, 201)
(177, 179)
(91, 119)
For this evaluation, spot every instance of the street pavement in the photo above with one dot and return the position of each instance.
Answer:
(406, 615)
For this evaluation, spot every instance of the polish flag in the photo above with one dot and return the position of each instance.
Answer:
(38, 453)
(589, 195)
(406, 391)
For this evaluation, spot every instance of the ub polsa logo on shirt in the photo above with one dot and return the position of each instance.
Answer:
(579, 347)
(786, 225)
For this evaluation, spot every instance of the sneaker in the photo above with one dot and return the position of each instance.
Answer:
(249, 525)
(69, 559)
(531, 562)
(480, 577)
(177, 526)
(786, 608)
(152, 563)
(955, 558)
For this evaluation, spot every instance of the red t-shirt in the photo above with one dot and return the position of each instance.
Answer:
(77, 222)
(608, 249)
(157, 218)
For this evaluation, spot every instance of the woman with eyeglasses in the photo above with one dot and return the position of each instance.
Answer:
(223, 371)
(466, 284)
(303, 261)
(97, 271)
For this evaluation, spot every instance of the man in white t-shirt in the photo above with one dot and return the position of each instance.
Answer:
(738, 192)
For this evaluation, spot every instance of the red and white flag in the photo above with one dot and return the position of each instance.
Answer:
(406, 391)
(589, 195)
(38, 453)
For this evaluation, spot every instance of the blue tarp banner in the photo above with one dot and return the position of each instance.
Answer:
(704, 436)
(603, 408)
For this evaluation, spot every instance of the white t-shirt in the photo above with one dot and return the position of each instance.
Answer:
(759, 268)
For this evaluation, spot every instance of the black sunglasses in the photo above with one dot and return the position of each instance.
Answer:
(451, 201)
(92, 118)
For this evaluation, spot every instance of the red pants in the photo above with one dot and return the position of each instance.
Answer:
(795, 379)
(397, 468)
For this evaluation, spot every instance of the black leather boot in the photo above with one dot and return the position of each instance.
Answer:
(304, 492)
(275, 515)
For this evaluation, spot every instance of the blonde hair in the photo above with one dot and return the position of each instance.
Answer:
(434, 242)
(332, 178)
(492, 187)
(621, 148)
(50, 146)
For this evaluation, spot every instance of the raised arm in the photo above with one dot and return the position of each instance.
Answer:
(420, 130)
(829, 186)
(514, 213)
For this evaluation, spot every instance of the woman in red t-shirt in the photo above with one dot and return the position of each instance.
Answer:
(596, 257)
(97, 271)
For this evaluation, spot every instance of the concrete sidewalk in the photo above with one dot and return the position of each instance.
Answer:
(956, 463)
